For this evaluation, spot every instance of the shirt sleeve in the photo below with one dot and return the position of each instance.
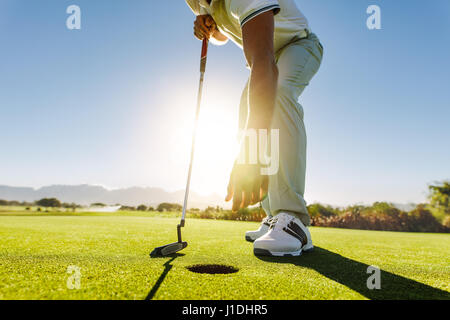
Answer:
(195, 7)
(245, 10)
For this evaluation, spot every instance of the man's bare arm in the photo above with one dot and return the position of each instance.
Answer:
(258, 36)
(247, 185)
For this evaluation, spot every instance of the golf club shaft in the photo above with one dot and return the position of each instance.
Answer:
(194, 135)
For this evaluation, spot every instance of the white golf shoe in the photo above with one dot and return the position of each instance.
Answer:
(287, 236)
(263, 228)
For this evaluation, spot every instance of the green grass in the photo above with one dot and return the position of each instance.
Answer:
(112, 251)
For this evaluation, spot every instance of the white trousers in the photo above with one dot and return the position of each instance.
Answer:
(297, 64)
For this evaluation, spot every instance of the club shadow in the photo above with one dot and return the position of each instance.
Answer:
(353, 274)
(167, 268)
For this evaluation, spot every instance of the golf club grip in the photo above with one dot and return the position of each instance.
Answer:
(204, 55)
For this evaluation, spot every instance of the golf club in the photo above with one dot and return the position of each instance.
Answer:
(172, 248)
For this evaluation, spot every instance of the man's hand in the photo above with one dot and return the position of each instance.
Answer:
(247, 186)
(204, 27)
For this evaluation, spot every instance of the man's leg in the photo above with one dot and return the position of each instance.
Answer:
(297, 64)
(288, 235)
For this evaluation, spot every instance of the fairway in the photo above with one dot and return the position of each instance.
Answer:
(112, 252)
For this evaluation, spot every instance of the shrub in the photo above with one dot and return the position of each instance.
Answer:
(382, 208)
(446, 222)
(440, 197)
(127, 208)
(418, 220)
(165, 206)
(72, 206)
(49, 203)
(247, 214)
(316, 210)
(98, 204)
(142, 208)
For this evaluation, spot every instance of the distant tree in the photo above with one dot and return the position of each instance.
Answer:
(142, 208)
(383, 208)
(317, 209)
(418, 220)
(446, 222)
(98, 204)
(127, 208)
(423, 221)
(355, 209)
(3, 202)
(151, 209)
(440, 197)
(49, 203)
(72, 206)
(210, 209)
(165, 206)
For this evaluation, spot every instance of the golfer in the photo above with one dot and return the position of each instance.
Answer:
(283, 56)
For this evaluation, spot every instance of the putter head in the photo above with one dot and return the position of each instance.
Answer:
(168, 249)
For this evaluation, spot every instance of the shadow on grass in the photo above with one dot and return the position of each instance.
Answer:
(353, 274)
(167, 268)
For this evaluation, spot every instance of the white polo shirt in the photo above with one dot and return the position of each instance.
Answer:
(231, 15)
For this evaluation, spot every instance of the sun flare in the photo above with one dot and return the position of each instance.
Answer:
(216, 145)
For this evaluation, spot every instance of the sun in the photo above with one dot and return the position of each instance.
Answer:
(216, 149)
(216, 143)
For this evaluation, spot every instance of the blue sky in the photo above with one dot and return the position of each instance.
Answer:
(112, 103)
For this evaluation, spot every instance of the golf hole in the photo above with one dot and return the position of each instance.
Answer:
(212, 269)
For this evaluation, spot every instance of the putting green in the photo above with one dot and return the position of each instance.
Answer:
(112, 253)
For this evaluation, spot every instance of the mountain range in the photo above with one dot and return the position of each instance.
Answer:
(88, 194)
